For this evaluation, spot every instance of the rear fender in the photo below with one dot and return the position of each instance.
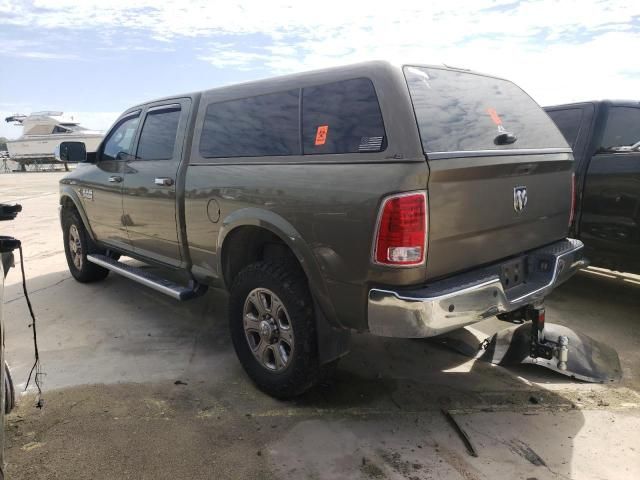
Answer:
(333, 338)
(277, 225)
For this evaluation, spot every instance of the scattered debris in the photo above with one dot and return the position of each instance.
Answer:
(31, 445)
(371, 470)
(398, 464)
(465, 438)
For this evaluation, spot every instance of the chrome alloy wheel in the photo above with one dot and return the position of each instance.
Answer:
(268, 329)
(75, 247)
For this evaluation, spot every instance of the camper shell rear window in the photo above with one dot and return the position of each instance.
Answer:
(460, 111)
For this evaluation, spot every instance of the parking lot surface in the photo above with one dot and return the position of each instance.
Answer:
(140, 386)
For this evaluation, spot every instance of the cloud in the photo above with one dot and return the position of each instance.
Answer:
(46, 55)
(33, 49)
(558, 50)
(413, 21)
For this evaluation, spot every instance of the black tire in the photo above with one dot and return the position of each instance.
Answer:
(83, 271)
(289, 284)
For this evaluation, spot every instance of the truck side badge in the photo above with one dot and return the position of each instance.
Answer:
(519, 198)
(86, 193)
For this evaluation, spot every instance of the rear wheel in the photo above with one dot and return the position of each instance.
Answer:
(77, 245)
(273, 328)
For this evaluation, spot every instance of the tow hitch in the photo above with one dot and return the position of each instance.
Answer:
(533, 341)
(539, 345)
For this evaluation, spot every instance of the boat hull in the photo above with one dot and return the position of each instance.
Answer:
(40, 148)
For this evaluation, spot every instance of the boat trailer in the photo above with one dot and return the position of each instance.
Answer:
(530, 340)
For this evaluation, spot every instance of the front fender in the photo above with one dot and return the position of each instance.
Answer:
(67, 193)
(280, 227)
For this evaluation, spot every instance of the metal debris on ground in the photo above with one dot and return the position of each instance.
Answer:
(463, 434)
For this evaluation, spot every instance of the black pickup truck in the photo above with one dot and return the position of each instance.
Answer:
(605, 138)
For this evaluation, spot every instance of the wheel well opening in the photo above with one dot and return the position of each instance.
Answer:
(67, 204)
(247, 245)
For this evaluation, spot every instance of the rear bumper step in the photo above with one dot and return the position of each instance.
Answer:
(162, 285)
(468, 298)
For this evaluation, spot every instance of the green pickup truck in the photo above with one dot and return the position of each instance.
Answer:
(405, 201)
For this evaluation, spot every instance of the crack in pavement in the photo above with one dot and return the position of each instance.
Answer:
(38, 290)
(519, 450)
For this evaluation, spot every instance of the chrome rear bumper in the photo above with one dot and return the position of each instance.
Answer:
(470, 297)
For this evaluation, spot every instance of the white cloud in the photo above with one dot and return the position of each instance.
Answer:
(46, 55)
(31, 49)
(558, 50)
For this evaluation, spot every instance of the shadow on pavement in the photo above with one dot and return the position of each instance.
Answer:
(380, 417)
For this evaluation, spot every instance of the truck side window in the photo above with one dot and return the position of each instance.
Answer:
(568, 121)
(342, 117)
(158, 136)
(262, 126)
(623, 128)
(117, 146)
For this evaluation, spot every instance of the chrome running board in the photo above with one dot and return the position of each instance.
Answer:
(162, 285)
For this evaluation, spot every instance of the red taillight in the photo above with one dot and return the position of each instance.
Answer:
(573, 199)
(402, 230)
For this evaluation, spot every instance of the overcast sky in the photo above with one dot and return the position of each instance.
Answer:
(95, 58)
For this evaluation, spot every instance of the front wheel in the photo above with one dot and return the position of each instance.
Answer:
(76, 247)
(273, 328)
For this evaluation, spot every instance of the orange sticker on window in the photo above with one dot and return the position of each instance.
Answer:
(321, 134)
(494, 116)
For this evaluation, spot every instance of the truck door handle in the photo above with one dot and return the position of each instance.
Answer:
(164, 181)
(115, 179)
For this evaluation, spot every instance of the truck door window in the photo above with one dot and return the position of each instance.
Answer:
(342, 117)
(117, 146)
(568, 121)
(622, 129)
(158, 136)
(261, 126)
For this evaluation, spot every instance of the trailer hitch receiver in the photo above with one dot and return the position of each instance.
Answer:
(540, 345)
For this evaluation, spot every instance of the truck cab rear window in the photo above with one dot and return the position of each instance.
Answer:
(463, 111)
(266, 125)
(342, 117)
(158, 136)
(623, 128)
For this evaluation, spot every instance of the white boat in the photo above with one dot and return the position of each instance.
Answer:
(42, 132)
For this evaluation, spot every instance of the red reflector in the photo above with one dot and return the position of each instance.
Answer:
(573, 199)
(402, 229)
